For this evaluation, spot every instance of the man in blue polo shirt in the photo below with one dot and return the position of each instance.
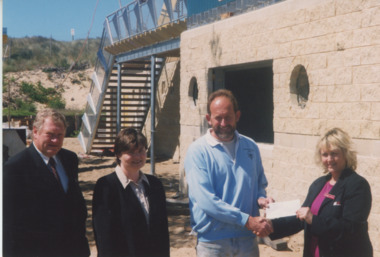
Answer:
(226, 184)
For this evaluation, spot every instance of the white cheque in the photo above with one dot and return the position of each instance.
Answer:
(282, 209)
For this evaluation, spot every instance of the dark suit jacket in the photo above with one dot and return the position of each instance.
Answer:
(119, 222)
(39, 218)
(341, 225)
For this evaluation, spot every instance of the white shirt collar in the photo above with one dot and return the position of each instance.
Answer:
(211, 140)
(124, 180)
(44, 157)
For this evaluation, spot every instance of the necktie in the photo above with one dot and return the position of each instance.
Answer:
(53, 169)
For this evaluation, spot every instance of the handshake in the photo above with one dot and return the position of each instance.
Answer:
(262, 227)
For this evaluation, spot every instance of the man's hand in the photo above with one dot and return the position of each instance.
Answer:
(260, 226)
(263, 202)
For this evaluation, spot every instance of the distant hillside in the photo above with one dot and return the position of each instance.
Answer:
(31, 53)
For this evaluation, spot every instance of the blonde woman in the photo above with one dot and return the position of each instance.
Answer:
(335, 212)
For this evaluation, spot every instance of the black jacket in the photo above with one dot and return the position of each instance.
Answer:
(341, 224)
(39, 218)
(119, 222)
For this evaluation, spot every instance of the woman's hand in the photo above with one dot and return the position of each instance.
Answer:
(264, 202)
(305, 214)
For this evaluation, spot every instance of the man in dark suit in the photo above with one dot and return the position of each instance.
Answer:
(44, 212)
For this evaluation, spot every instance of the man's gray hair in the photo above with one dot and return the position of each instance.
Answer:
(48, 113)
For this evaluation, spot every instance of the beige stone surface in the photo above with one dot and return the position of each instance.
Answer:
(338, 43)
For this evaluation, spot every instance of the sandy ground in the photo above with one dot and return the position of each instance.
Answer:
(181, 242)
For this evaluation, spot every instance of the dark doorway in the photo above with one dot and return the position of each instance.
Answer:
(253, 89)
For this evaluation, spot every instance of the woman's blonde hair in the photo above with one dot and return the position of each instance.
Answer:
(337, 138)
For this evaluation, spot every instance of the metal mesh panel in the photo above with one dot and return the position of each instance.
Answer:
(203, 12)
(141, 16)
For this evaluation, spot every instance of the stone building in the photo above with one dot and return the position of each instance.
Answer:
(297, 68)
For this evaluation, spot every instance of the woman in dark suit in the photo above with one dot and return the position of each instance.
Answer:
(335, 212)
(129, 207)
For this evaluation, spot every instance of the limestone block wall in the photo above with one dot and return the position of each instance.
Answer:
(338, 43)
(167, 129)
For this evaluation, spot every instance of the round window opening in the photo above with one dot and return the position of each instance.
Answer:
(193, 91)
(299, 86)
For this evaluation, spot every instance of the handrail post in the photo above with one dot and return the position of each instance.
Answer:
(109, 30)
(152, 110)
(118, 107)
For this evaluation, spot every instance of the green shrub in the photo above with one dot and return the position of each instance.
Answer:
(81, 76)
(35, 93)
(36, 52)
(57, 103)
(75, 133)
(21, 107)
(76, 81)
(38, 93)
(18, 113)
(48, 91)
(62, 63)
(26, 106)
(8, 82)
(5, 86)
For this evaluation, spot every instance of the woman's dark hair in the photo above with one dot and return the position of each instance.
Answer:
(128, 139)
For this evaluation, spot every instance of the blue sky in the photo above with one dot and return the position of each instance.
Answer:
(56, 18)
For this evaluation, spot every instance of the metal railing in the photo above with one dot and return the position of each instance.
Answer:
(143, 15)
(200, 14)
(100, 77)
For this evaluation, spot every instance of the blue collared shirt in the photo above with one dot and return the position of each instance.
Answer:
(223, 191)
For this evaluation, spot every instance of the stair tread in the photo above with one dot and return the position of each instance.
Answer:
(129, 87)
(135, 76)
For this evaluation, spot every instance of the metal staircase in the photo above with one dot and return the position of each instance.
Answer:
(135, 37)
(135, 101)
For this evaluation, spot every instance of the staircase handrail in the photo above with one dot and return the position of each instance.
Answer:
(102, 71)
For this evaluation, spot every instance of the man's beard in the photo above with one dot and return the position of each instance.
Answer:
(227, 133)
